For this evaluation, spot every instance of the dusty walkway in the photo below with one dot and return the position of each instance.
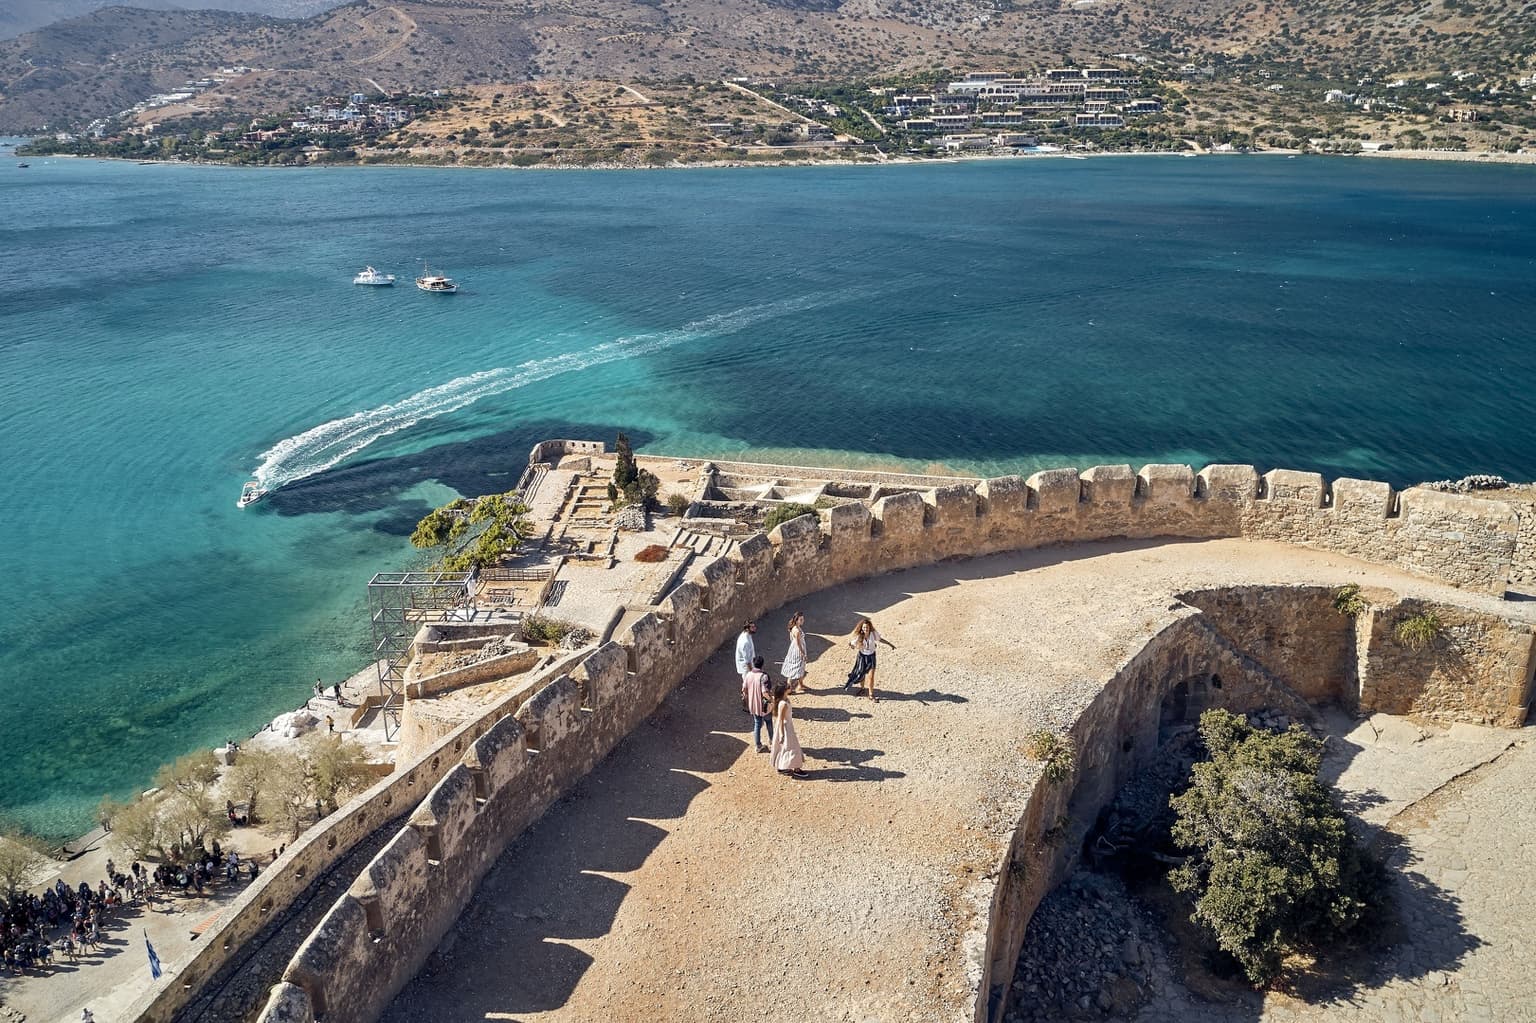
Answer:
(684, 880)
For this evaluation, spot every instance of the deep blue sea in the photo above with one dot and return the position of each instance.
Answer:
(167, 331)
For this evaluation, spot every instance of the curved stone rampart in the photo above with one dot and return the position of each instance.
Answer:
(377, 935)
(308, 857)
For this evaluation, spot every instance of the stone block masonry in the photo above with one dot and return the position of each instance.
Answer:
(379, 933)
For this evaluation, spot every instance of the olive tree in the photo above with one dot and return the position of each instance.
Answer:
(22, 863)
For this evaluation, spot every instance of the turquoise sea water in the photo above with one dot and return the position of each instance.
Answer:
(166, 331)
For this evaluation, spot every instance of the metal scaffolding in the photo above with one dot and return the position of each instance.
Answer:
(400, 603)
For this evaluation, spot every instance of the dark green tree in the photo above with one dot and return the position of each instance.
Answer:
(624, 470)
(1276, 867)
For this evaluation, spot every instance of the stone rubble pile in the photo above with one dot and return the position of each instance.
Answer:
(1271, 720)
(498, 647)
(1088, 955)
(578, 637)
(1139, 817)
(631, 518)
(1467, 484)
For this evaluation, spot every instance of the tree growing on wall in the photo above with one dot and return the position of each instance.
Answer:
(1276, 867)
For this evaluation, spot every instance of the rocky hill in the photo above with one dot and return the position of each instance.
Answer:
(20, 16)
(90, 66)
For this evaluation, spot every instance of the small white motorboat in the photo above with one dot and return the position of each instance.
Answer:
(435, 283)
(250, 494)
(372, 277)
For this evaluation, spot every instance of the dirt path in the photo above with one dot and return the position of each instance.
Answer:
(768, 102)
(684, 879)
(410, 28)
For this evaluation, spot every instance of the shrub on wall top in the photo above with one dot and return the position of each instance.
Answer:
(785, 512)
(1417, 632)
(1349, 601)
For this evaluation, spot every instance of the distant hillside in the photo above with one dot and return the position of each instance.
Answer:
(18, 17)
(96, 64)
(107, 60)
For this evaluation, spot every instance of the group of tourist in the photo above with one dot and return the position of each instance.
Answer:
(202, 870)
(28, 921)
(768, 703)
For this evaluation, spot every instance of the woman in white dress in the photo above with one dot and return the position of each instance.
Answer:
(785, 750)
(794, 658)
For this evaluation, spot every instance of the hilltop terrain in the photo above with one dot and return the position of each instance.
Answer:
(77, 70)
(21, 16)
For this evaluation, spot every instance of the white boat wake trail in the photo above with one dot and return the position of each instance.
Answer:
(321, 447)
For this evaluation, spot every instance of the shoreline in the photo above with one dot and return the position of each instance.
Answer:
(1484, 157)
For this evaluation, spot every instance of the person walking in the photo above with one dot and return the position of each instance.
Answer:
(755, 691)
(865, 641)
(746, 649)
(786, 753)
(794, 657)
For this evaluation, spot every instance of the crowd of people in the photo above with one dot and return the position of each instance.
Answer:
(202, 870)
(30, 924)
(768, 703)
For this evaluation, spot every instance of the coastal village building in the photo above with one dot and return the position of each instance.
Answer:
(956, 143)
(1086, 98)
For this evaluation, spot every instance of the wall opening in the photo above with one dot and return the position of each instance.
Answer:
(434, 846)
(1185, 702)
(1175, 706)
(373, 914)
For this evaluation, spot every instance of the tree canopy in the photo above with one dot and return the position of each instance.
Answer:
(1276, 866)
(501, 515)
(630, 482)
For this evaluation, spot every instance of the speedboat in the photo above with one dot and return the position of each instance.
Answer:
(22, 166)
(250, 494)
(435, 283)
(374, 278)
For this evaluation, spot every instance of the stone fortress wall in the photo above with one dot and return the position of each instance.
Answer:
(507, 767)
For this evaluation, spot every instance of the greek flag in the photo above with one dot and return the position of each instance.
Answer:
(154, 960)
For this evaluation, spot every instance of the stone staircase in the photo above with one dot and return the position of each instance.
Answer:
(706, 545)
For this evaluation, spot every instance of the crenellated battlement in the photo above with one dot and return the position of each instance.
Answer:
(379, 933)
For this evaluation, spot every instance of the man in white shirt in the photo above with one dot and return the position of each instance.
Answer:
(746, 650)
